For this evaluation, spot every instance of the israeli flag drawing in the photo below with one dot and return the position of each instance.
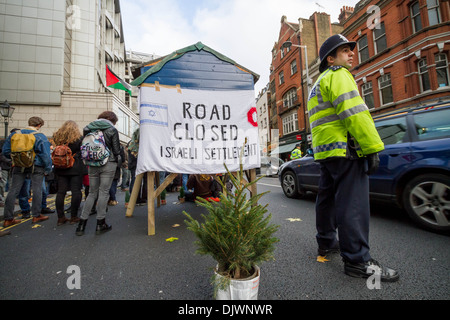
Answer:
(154, 114)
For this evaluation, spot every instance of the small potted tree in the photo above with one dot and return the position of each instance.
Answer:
(238, 235)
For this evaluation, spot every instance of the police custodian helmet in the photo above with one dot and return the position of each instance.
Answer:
(329, 45)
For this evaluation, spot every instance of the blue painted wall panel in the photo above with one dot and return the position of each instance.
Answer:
(202, 70)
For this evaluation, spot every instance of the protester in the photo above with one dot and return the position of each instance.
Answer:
(71, 177)
(203, 186)
(133, 151)
(125, 171)
(5, 165)
(40, 165)
(101, 177)
(113, 189)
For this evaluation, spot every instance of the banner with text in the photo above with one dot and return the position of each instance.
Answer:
(196, 131)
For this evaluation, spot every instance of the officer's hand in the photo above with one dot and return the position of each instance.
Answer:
(374, 162)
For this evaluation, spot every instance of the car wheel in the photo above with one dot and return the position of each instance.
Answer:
(289, 185)
(426, 198)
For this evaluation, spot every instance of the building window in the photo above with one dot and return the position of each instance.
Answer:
(423, 75)
(123, 123)
(281, 76)
(385, 85)
(441, 69)
(380, 38)
(415, 17)
(293, 67)
(282, 53)
(367, 94)
(363, 49)
(290, 123)
(433, 12)
(290, 98)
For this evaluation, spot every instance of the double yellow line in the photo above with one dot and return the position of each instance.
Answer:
(51, 202)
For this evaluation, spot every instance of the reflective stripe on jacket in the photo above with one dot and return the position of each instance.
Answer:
(335, 109)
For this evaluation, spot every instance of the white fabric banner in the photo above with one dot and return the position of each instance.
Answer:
(196, 131)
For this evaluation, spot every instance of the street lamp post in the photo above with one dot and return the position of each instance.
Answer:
(6, 111)
(288, 44)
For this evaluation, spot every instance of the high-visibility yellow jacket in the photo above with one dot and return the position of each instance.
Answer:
(296, 154)
(335, 109)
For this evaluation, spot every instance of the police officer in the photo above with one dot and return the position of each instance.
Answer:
(296, 153)
(346, 143)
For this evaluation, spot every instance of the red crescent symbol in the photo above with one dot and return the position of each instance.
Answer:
(252, 116)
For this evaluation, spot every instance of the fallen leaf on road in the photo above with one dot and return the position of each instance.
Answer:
(175, 225)
(294, 219)
(171, 239)
(322, 259)
(36, 226)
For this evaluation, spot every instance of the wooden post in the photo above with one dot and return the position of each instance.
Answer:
(252, 177)
(151, 202)
(134, 195)
(158, 198)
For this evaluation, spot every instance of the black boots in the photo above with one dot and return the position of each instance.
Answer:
(365, 270)
(102, 227)
(81, 227)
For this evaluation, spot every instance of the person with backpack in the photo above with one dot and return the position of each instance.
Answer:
(29, 151)
(5, 165)
(100, 151)
(69, 169)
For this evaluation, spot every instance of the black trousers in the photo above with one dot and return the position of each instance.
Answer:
(343, 204)
(66, 183)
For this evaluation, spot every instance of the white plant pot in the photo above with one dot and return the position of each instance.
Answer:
(243, 289)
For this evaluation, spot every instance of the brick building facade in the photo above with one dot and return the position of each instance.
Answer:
(402, 51)
(288, 89)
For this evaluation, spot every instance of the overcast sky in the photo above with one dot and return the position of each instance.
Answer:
(243, 30)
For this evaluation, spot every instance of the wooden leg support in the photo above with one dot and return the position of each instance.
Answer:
(134, 195)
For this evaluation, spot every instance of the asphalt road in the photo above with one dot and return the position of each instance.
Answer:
(125, 263)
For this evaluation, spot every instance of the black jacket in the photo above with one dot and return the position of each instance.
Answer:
(78, 167)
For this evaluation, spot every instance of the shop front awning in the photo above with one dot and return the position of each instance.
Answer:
(284, 148)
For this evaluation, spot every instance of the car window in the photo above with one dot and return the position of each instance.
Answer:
(433, 124)
(392, 130)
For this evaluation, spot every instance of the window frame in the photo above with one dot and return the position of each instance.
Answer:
(381, 88)
(290, 96)
(367, 91)
(414, 16)
(434, 8)
(293, 67)
(363, 49)
(290, 121)
(423, 74)
(379, 39)
(281, 77)
(445, 67)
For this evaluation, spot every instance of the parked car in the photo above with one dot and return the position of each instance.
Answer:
(269, 166)
(414, 167)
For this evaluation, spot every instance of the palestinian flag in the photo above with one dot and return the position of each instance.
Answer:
(115, 82)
